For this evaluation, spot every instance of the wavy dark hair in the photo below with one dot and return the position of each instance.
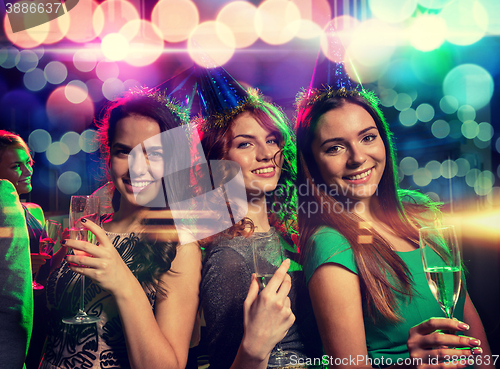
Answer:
(152, 258)
(375, 261)
(215, 141)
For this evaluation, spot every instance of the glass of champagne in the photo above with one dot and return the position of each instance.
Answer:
(442, 265)
(268, 256)
(48, 239)
(82, 207)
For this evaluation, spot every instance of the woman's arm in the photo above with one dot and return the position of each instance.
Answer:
(152, 342)
(484, 359)
(336, 299)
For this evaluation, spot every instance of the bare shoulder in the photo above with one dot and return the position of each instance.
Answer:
(35, 210)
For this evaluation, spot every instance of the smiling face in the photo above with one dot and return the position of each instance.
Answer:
(349, 151)
(254, 148)
(136, 161)
(15, 166)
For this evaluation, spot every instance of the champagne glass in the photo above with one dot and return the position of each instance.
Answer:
(442, 265)
(268, 256)
(82, 207)
(48, 239)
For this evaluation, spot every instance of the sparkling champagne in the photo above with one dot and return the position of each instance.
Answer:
(444, 282)
(263, 280)
(81, 234)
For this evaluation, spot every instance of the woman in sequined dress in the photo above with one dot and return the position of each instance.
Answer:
(144, 291)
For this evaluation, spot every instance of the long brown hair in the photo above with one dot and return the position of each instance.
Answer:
(216, 143)
(375, 260)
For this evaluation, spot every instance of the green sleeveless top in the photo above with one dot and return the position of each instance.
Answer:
(384, 339)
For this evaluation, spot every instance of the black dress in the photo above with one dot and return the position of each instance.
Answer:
(226, 277)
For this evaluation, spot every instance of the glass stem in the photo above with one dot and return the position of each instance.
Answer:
(82, 297)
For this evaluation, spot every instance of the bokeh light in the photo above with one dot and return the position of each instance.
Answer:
(57, 153)
(486, 131)
(276, 21)
(463, 167)
(470, 84)
(69, 182)
(425, 112)
(427, 32)
(484, 183)
(145, 46)
(94, 87)
(497, 145)
(206, 47)
(28, 61)
(448, 104)
(465, 21)
(431, 67)
(72, 141)
(470, 129)
(471, 177)
(434, 167)
(393, 11)
(76, 91)
(26, 39)
(388, 97)
(373, 43)
(63, 113)
(440, 128)
(422, 177)
(111, 15)
(176, 19)
(79, 23)
(115, 46)
(84, 60)
(408, 117)
(55, 72)
(403, 102)
(408, 165)
(89, 141)
(9, 56)
(112, 87)
(480, 144)
(35, 80)
(106, 69)
(315, 14)
(492, 8)
(239, 17)
(57, 31)
(449, 169)
(466, 112)
(39, 140)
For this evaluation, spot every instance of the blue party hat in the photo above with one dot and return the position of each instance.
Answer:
(221, 96)
(181, 89)
(329, 75)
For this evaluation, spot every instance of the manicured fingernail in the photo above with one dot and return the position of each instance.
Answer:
(63, 242)
(83, 220)
(474, 342)
(463, 326)
(97, 243)
(476, 351)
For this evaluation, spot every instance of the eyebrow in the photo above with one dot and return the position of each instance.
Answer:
(340, 139)
(253, 137)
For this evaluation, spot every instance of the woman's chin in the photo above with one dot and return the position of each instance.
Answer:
(152, 196)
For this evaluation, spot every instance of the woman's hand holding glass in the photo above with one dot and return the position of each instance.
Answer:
(102, 262)
(267, 315)
(428, 342)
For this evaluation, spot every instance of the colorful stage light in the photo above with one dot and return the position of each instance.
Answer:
(88, 141)
(422, 177)
(34, 80)
(39, 140)
(85, 60)
(55, 72)
(408, 117)
(57, 153)
(69, 182)
(145, 42)
(107, 69)
(314, 17)
(28, 60)
(115, 46)
(434, 167)
(76, 91)
(408, 165)
(112, 87)
(466, 21)
(63, 113)
(79, 22)
(72, 141)
(427, 32)
(448, 104)
(425, 112)
(440, 128)
(449, 169)
(393, 11)
(465, 113)
(26, 39)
